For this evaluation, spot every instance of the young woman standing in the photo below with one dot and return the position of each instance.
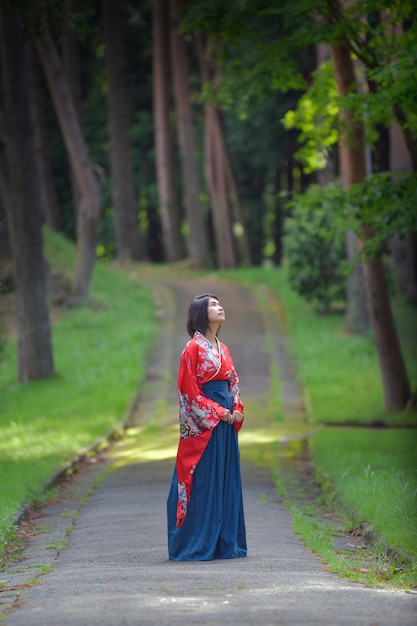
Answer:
(205, 505)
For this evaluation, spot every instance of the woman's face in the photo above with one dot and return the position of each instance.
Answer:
(215, 312)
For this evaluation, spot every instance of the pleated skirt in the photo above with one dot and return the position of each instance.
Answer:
(214, 527)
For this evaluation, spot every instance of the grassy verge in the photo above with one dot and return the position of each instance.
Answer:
(371, 471)
(329, 528)
(100, 355)
(376, 476)
(357, 509)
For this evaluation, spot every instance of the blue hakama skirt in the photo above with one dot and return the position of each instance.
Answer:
(214, 527)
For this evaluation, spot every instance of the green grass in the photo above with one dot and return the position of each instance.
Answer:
(375, 471)
(100, 357)
(339, 372)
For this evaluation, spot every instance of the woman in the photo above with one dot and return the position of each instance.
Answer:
(205, 506)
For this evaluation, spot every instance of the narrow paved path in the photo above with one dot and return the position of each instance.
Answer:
(114, 569)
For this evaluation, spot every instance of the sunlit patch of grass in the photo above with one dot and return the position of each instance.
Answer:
(144, 444)
(262, 446)
(154, 442)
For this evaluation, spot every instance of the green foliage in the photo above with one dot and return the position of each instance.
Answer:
(396, 83)
(385, 204)
(314, 246)
(265, 47)
(381, 207)
(255, 50)
(384, 38)
(316, 118)
(258, 145)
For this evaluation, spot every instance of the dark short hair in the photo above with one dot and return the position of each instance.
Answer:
(197, 314)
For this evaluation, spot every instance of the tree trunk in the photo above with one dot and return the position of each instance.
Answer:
(82, 166)
(216, 185)
(404, 251)
(278, 223)
(174, 244)
(220, 180)
(234, 195)
(353, 167)
(6, 234)
(395, 381)
(50, 205)
(71, 63)
(357, 317)
(357, 312)
(5, 245)
(129, 244)
(407, 142)
(34, 336)
(408, 134)
(198, 247)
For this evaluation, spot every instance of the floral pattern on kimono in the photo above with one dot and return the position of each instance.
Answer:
(198, 416)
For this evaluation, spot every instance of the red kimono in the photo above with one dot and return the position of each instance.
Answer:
(199, 415)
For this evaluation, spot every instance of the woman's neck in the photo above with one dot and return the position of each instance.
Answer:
(211, 336)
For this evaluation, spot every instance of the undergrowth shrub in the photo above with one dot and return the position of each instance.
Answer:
(314, 246)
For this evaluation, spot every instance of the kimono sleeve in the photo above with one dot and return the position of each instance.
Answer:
(197, 413)
(234, 389)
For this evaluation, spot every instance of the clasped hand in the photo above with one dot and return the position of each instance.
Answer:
(231, 418)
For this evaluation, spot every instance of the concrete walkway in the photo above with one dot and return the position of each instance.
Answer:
(107, 545)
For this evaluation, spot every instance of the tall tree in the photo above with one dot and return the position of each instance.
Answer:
(214, 166)
(71, 62)
(5, 194)
(404, 250)
(353, 170)
(357, 318)
(129, 244)
(198, 246)
(34, 337)
(220, 179)
(174, 244)
(82, 166)
(399, 157)
(50, 205)
(234, 195)
(5, 244)
(315, 150)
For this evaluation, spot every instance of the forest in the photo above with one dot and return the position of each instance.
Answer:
(223, 135)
